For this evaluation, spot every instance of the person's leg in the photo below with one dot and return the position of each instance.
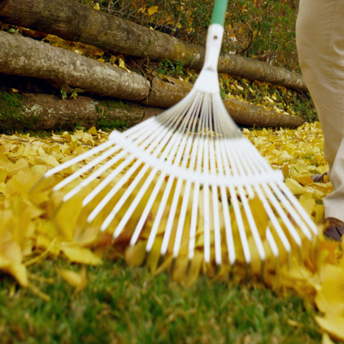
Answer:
(320, 44)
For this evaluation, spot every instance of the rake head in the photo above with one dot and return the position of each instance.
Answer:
(187, 182)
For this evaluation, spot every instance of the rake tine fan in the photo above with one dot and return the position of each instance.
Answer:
(194, 180)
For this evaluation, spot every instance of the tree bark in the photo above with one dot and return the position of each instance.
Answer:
(28, 57)
(49, 112)
(166, 92)
(75, 22)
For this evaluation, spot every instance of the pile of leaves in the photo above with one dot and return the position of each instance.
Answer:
(31, 230)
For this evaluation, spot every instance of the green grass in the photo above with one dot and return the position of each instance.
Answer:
(129, 305)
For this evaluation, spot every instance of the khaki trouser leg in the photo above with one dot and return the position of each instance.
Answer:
(320, 44)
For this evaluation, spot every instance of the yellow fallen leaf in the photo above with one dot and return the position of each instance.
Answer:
(303, 179)
(96, 6)
(195, 268)
(294, 323)
(122, 65)
(11, 261)
(3, 174)
(308, 202)
(330, 299)
(93, 131)
(134, 255)
(77, 280)
(294, 186)
(333, 324)
(154, 255)
(326, 339)
(179, 269)
(80, 255)
(152, 10)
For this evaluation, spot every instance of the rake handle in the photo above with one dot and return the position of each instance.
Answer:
(219, 12)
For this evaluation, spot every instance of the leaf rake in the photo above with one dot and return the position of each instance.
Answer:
(191, 178)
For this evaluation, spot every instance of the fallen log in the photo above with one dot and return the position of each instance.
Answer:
(27, 57)
(30, 58)
(167, 91)
(76, 22)
(49, 112)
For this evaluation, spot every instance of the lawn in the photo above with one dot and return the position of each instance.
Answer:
(122, 304)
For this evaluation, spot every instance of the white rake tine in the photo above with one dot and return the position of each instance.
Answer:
(228, 128)
(188, 144)
(284, 218)
(253, 168)
(273, 217)
(216, 217)
(94, 175)
(94, 162)
(175, 199)
(235, 202)
(123, 180)
(217, 235)
(147, 210)
(152, 142)
(290, 208)
(254, 230)
(173, 137)
(112, 176)
(150, 203)
(128, 192)
(253, 226)
(225, 206)
(152, 138)
(194, 212)
(133, 205)
(228, 228)
(85, 168)
(171, 215)
(239, 160)
(170, 219)
(206, 216)
(181, 221)
(91, 152)
(193, 223)
(173, 113)
(192, 143)
(77, 159)
(300, 209)
(286, 203)
(116, 188)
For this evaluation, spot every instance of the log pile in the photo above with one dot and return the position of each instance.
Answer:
(27, 57)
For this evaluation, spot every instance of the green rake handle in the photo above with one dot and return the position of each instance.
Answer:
(219, 12)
